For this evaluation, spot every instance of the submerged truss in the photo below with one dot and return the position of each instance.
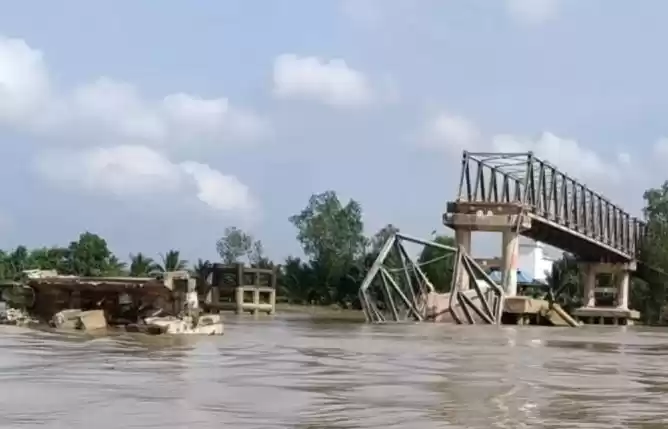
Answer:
(397, 289)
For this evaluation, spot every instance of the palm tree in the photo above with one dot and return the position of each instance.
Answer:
(201, 269)
(115, 266)
(142, 266)
(564, 282)
(171, 261)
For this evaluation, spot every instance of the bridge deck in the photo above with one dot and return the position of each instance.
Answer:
(564, 212)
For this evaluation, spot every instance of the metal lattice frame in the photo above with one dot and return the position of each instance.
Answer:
(552, 197)
(400, 293)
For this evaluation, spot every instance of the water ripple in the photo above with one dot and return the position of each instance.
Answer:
(299, 374)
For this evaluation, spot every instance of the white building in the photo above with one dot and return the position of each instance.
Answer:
(536, 259)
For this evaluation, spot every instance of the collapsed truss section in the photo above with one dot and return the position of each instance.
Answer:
(397, 289)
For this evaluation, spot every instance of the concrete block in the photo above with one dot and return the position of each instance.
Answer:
(437, 306)
(523, 305)
(91, 320)
(207, 324)
(66, 319)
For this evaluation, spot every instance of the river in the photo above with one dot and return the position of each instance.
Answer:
(296, 372)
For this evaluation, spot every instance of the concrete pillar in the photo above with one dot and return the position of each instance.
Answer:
(623, 289)
(510, 254)
(272, 300)
(239, 299)
(256, 300)
(589, 286)
(463, 238)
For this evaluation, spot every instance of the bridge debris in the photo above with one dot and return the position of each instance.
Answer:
(397, 289)
(168, 304)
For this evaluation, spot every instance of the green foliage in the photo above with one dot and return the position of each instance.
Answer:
(142, 265)
(332, 237)
(171, 261)
(88, 256)
(438, 264)
(337, 255)
(565, 282)
(233, 245)
(201, 269)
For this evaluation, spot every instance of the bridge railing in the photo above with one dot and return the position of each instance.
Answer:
(546, 192)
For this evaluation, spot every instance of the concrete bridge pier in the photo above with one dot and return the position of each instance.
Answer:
(465, 218)
(510, 254)
(619, 313)
(463, 238)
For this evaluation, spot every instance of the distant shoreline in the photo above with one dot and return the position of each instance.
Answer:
(321, 311)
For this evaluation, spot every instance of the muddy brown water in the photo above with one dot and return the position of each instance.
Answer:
(296, 372)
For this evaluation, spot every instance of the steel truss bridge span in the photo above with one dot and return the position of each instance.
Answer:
(564, 212)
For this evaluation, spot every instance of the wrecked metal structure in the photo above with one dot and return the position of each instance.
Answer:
(397, 289)
(518, 194)
(412, 296)
(166, 304)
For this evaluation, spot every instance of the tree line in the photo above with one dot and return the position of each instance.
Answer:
(337, 255)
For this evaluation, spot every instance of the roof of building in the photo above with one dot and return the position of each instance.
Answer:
(522, 278)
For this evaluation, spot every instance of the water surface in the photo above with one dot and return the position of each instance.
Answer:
(294, 372)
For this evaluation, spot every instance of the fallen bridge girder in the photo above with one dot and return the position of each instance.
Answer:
(407, 297)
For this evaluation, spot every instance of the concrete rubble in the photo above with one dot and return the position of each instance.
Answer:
(165, 305)
(14, 316)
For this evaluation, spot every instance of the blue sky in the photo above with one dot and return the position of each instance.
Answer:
(158, 123)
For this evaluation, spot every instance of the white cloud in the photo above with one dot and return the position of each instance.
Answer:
(575, 159)
(660, 147)
(450, 133)
(24, 82)
(330, 82)
(453, 134)
(123, 133)
(532, 12)
(135, 170)
(110, 110)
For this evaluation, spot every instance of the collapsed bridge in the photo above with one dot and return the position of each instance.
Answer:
(518, 194)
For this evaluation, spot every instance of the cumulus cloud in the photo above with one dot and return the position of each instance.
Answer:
(532, 12)
(453, 134)
(332, 82)
(119, 132)
(113, 110)
(136, 170)
(450, 133)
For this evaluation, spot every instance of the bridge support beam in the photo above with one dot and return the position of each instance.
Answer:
(463, 238)
(623, 280)
(589, 283)
(510, 254)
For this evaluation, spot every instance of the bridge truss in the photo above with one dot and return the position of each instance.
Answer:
(565, 212)
(396, 287)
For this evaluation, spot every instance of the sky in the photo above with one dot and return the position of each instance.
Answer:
(157, 124)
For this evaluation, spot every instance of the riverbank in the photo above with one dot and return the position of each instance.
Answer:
(321, 312)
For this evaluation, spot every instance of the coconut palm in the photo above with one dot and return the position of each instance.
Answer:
(201, 269)
(115, 266)
(141, 265)
(564, 281)
(171, 261)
